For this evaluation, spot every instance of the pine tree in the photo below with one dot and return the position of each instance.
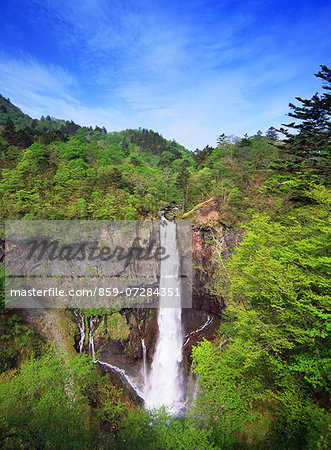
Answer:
(9, 133)
(182, 180)
(311, 144)
(221, 139)
(272, 134)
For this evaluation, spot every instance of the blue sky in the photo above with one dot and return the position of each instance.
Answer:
(190, 70)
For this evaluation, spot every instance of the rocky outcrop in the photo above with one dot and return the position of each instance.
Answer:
(210, 238)
(205, 214)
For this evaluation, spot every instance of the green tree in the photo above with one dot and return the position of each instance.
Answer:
(271, 360)
(311, 144)
(182, 180)
(272, 134)
(43, 404)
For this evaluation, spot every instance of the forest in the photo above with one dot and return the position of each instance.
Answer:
(264, 378)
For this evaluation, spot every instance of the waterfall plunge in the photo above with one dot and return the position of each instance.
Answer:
(81, 327)
(165, 384)
(143, 346)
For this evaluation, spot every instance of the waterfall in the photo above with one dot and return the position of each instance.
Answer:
(92, 321)
(143, 346)
(81, 327)
(165, 386)
(188, 336)
(124, 376)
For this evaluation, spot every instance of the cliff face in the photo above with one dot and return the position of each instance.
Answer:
(200, 321)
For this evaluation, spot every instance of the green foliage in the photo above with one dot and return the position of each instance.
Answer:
(182, 180)
(93, 175)
(57, 402)
(42, 404)
(159, 430)
(18, 340)
(271, 358)
(310, 145)
(125, 175)
(8, 111)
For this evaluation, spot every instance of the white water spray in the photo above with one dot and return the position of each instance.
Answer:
(165, 384)
(144, 361)
(189, 335)
(81, 327)
(92, 322)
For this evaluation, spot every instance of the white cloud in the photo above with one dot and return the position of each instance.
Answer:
(23, 78)
(194, 115)
(41, 90)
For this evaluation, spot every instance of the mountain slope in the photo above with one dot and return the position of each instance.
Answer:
(8, 111)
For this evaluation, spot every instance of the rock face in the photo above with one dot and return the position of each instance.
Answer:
(203, 319)
(205, 214)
